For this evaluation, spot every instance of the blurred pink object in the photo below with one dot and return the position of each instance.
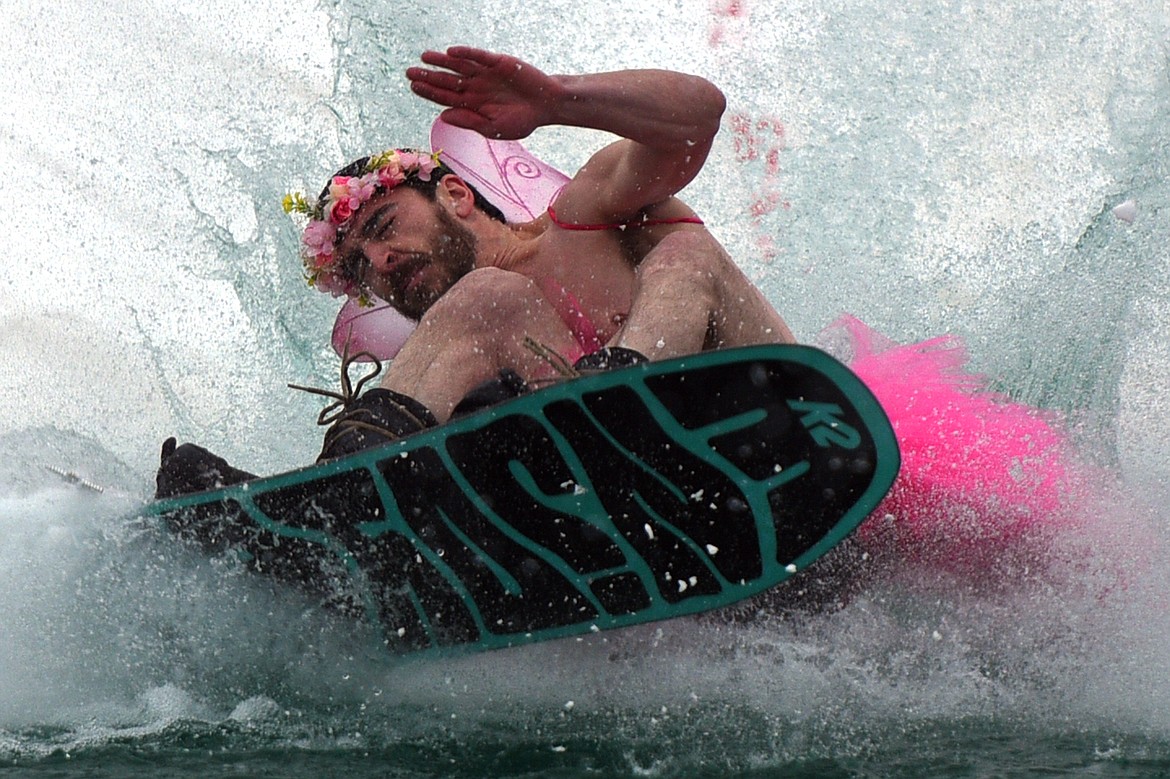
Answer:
(504, 172)
(980, 474)
(378, 329)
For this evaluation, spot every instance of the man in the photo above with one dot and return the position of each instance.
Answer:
(619, 269)
(661, 290)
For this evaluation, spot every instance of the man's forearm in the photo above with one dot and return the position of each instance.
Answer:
(658, 108)
(666, 120)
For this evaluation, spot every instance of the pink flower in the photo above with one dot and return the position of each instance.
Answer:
(333, 284)
(426, 165)
(318, 238)
(361, 190)
(390, 175)
(419, 164)
(340, 211)
(352, 190)
(339, 188)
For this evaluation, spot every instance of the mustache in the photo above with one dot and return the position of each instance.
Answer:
(396, 280)
(402, 270)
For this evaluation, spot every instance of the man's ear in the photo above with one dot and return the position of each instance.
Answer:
(455, 192)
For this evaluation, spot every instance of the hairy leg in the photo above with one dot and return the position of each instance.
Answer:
(478, 327)
(691, 296)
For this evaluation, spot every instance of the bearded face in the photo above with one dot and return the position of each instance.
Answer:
(408, 250)
(419, 280)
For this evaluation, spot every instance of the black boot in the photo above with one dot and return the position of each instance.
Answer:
(378, 417)
(608, 359)
(506, 385)
(190, 468)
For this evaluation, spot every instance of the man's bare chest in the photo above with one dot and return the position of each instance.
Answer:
(592, 272)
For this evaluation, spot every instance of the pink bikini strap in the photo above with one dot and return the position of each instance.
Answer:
(580, 325)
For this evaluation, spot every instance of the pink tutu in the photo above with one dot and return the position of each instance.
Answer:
(983, 478)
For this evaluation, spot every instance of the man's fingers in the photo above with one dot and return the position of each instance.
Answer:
(467, 119)
(436, 79)
(440, 59)
(480, 57)
(435, 94)
(464, 65)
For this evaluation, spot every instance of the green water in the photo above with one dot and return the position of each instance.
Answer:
(695, 739)
(975, 749)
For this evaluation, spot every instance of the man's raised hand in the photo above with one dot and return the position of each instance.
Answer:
(496, 95)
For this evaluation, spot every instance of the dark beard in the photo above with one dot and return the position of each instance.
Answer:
(454, 252)
(456, 246)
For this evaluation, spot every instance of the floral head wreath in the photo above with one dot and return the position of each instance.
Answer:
(342, 198)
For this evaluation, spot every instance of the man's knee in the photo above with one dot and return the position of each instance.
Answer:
(690, 260)
(485, 298)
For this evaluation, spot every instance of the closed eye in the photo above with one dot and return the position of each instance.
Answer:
(377, 222)
(385, 228)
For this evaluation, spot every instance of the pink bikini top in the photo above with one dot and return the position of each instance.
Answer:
(569, 308)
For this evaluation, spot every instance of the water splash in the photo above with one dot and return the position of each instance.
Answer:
(940, 169)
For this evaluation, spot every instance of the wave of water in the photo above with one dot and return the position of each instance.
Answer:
(931, 168)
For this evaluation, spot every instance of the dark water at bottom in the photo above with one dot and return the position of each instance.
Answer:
(605, 747)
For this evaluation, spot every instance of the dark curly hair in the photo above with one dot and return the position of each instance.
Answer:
(428, 188)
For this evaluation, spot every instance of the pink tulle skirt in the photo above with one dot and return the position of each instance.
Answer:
(982, 477)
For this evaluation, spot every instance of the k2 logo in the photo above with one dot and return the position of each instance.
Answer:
(822, 423)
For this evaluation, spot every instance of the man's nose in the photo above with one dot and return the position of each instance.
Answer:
(378, 258)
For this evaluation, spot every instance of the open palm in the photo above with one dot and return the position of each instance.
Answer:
(496, 95)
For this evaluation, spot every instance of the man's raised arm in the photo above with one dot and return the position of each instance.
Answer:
(668, 120)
